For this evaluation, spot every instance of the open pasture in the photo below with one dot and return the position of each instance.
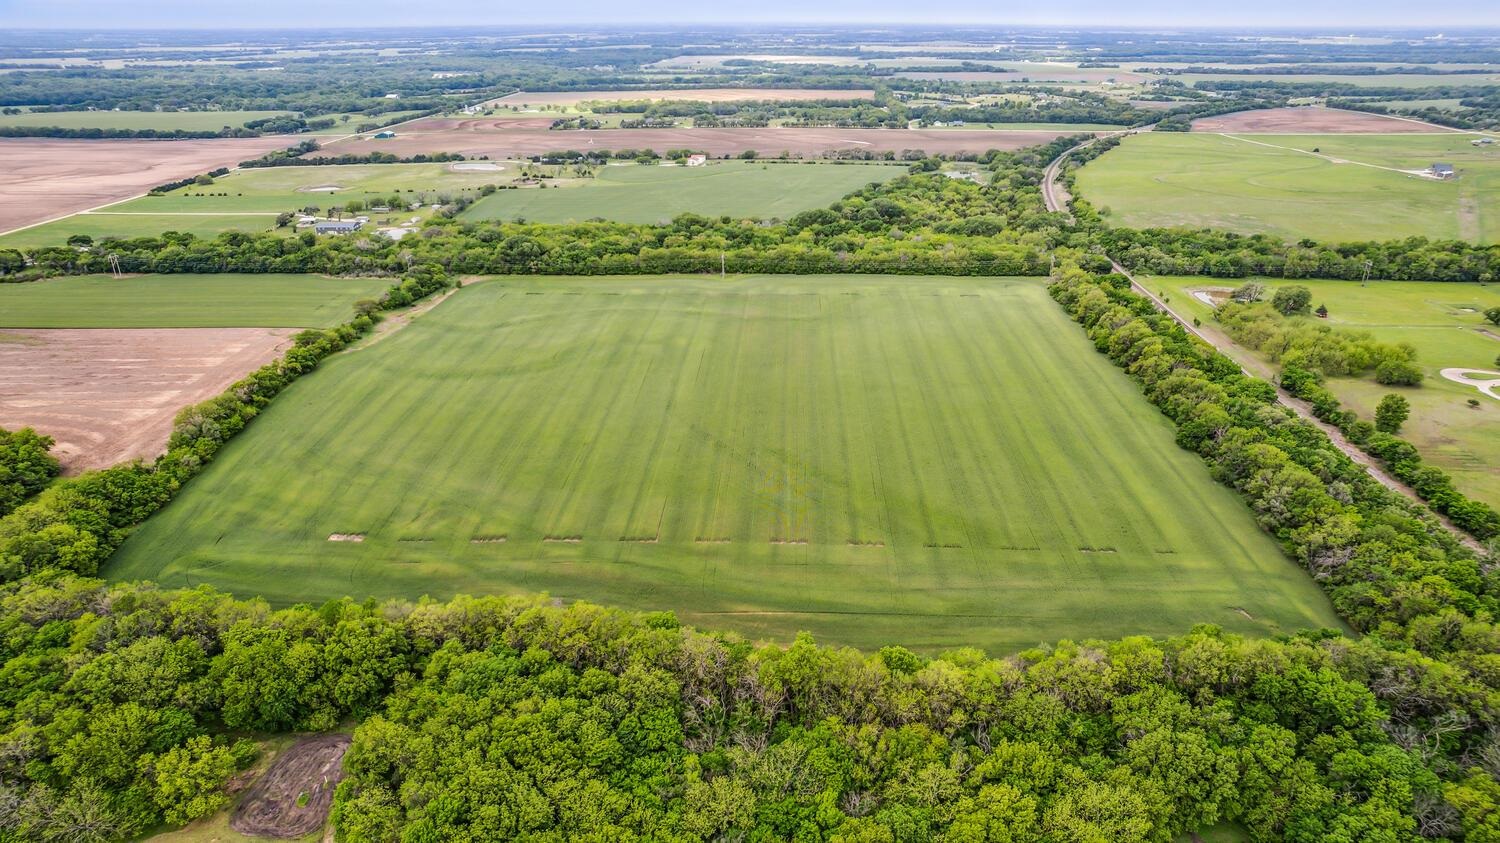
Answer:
(270, 190)
(225, 300)
(501, 138)
(1327, 187)
(925, 461)
(546, 99)
(44, 178)
(1444, 322)
(651, 193)
(165, 121)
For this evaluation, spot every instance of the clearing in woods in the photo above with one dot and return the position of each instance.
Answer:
(1334, 187)
(929, 461)
(651, 193)
(1444, 322)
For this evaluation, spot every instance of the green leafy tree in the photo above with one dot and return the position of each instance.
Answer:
(1392, 412)
(1292, 300)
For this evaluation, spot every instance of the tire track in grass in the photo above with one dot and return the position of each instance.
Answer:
(976, 430)
(614, 423)
(902, 440)
(525, 450)
(710, 524)
(638, 519)
(592, 409)
(503, 428)
(838, 426)
(862, 321)
(943, 425)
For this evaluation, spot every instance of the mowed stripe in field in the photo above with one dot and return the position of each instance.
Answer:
(929, 461)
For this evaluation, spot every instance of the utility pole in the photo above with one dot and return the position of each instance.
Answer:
(723, 264)
(114, 266)
(1366, 280)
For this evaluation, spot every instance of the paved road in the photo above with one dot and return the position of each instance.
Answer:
(1056, 198)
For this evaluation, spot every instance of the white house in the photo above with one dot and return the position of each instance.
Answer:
(697, 160)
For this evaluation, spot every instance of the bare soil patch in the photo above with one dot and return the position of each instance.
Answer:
(46, 178)
(1310, 120)
(109, 395)
(500, 138)
(693, 94)
(308, 771)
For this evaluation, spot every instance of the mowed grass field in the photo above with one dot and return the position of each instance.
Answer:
(651, 193)
(188, 121)
(184, 301)
(271, 190)
(102, 226)
(1286, 185)
(926, 461)
(1444, 323)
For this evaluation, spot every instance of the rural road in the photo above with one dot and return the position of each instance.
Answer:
(1055, 198)
(1255, 368)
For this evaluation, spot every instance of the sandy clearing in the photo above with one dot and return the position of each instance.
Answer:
(503, 139)
(692, 94)
(312, 766)
(43, 179)
(1311, 120)
(109, 395)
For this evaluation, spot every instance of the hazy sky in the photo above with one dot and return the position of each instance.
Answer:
(110, 14)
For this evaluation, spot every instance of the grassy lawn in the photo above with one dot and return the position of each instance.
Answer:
(190, 121)
(1442, 321)
(1269, 186)
(184, 301)
(926, 461)
(650, 193)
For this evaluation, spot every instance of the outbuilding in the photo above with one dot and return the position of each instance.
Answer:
(1441, 171)
(338, 226)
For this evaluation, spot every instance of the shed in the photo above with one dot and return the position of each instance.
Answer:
(338, 226)
(1441, 171)
(385, 135)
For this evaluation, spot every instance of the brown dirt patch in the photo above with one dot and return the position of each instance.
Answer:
(312, 766)
(499, 138)
(46, 178)
(1310, 120)
(109, 395)
(693, 94)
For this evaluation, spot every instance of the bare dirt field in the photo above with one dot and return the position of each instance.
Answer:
(693, 94)
(45, 178)
(499, 138)
(1310, 120)
(109, 395)
(306, 772)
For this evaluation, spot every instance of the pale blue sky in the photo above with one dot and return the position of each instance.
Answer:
(1435, 15)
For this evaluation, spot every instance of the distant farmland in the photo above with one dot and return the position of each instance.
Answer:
(648, 194)
(1330, 187)
(165, 121)
(932, 462)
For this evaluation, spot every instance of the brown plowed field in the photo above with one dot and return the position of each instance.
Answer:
(1311, 120)
(500, 138)
(692, 94)
(109, 395)
(45, 178)
(312, 766)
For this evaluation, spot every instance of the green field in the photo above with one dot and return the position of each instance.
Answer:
(648, 193)
(184, 301)
(126, 226)
(1443, 322)
(1274, 184)
(927, 461)
(271, 190)
(188, 121)
(252, 198)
